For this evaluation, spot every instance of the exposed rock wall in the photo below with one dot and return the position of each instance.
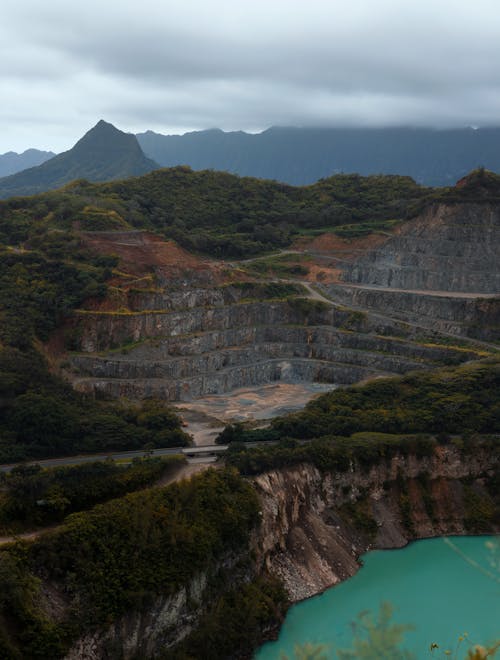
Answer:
(451, 247)
(464, 316)
(144, 632)
(308, 541)
(192, 350)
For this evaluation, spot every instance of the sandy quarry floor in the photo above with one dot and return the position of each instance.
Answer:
(205, 418)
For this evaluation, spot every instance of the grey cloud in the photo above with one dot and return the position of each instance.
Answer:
(246, 65)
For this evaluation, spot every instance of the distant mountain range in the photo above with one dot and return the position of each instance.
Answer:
(11, 162)
(301, 156)
(103, 154)
(298, 156)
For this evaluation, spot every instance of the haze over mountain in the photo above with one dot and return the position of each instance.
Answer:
(298, 156)
(303, 155)
(103, 154)
(12, 162)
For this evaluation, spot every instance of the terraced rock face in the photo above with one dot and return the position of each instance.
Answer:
(465, 315)
(196, 335)
(182, 344)
(452, 248)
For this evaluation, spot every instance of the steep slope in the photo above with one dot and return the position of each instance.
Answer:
(440, 270)
(103, 154)
(12, 162)
(303, 155)
(452, 248)
(134, 577)
(190, 334)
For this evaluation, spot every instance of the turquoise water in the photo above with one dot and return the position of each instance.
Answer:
(437, 585)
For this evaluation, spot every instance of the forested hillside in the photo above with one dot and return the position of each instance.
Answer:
(121, 556)
(216, 213)
(409, 415)
(227, 216)
(44, 274)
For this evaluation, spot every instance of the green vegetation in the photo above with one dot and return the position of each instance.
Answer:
(364, 228)
(119, 556)
(39, 288)
(237, 620)
(225, 215)
(44, 275)
(402, 415)
(221, 214)
(328, 453)
(478, 186)
(42, 416)
(459, 400)
(480, 511)
(281, 265)
(360, 516)
(33, 497)
(229, 216)
(452, 400)
(309, 308)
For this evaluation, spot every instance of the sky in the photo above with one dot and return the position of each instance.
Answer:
(173, 66)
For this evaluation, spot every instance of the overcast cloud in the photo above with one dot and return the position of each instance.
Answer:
(235, 64)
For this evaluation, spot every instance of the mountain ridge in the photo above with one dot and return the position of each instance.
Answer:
(12, 162)
(301, 156)
(104, 153)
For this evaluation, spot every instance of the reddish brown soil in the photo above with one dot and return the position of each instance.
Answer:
(323, 272)
(346, 248)
(142, 253)
(329, 252)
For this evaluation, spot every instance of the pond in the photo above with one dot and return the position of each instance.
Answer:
(443, 587)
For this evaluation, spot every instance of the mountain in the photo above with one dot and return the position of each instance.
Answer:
(103, 154)
(11, 162)
(300, 156)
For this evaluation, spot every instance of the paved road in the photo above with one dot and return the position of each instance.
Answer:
(314, 294)
(420, 292)
(122, 455)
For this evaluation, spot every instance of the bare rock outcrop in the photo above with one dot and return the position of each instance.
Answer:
(451, 247)
(310, 536)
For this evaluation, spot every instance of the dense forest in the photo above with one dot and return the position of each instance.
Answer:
(455, 400)
(32, 497)
(220, 214)
(121, 555)
(223, 215)
(44, 275)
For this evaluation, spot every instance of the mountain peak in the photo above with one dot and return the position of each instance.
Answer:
(104, 153)
(105, 126)
(103, 130)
